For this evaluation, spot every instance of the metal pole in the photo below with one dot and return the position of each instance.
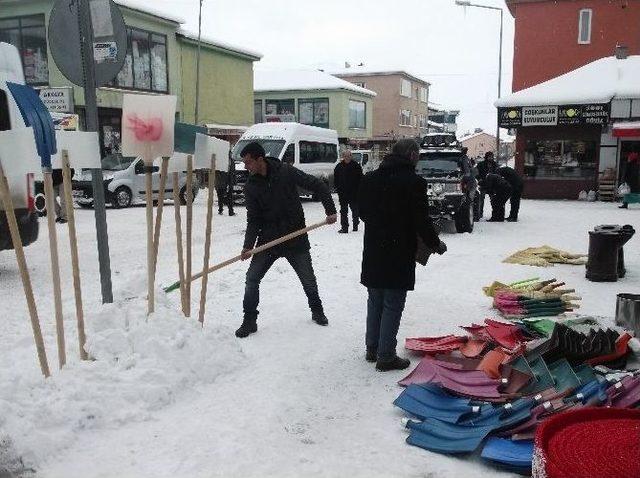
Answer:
(195, 119)
(499, 88)
(91, 118)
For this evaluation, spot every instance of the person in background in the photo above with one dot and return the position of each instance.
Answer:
(393, 206)
(511, 176)
(485, 167)
(347, 175)
(273, 211)
(631, 173)
(58, 192)
(499, 190)
(223, 192)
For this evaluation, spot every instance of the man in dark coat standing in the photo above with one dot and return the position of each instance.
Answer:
(488, 166)
(517, 185)
(346, 176)
(393, 206)
(499, 190)
(274, 210)
(223, 191)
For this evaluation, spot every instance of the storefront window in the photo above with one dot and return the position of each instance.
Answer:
(314, 112)
(145, 66)
(560, 159)
(28, 35)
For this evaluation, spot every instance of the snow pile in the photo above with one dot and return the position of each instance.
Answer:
(140, 367)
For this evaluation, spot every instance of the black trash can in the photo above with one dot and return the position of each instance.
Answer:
(606, 255)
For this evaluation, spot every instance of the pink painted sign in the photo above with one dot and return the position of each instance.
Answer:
(147, 126)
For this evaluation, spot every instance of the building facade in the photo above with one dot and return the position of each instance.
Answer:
(553, 37)
(573, 69)
(160, 60)
(317, 99)
(401, 107)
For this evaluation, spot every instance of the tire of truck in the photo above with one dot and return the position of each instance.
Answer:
(122, 197)
(464, 218)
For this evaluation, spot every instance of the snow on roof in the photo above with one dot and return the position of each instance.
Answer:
(374, 70)
(144, 7)
(474, 135)
(627, 125)
(285, 80)
(596, 82)
(217, 43)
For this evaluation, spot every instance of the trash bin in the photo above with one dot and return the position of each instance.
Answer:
(606, 255)
(628, 312)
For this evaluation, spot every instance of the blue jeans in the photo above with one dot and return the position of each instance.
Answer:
(260, 265)
(384, 311)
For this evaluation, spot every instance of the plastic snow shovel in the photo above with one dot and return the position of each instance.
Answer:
(542, 379)
(433, 345)
(626, 393)
(431, 401)
(564, 376)
(512, 455)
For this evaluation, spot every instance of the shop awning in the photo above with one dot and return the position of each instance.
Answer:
(626, 129)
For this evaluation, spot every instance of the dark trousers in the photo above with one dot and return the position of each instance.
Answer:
(260, 265)
(497, 206)
(514, 202)
(224, 198)
(348, 201)
(384, 311)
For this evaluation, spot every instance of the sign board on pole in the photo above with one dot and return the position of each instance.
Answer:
(109, 40)
(207, 146)
(564, 115)
(58, 100)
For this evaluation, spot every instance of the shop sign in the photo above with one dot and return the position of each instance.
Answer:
(565, 115)
(58, 100)
(540, 116)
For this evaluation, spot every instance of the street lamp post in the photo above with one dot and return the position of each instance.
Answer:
(467, 3)
(195, 119)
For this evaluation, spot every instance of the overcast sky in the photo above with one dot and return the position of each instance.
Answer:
(452, 47)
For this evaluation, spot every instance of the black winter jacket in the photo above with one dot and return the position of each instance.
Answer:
(496, 185)
(512, 177)
(346, 177)
(486, 167)
(274, 208)
(393, 206)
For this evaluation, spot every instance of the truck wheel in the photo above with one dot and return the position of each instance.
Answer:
(464, 218)
(40, 204)
(122, 197)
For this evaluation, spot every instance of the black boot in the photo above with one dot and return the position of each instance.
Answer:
(319, 318)
(343, 231)
(248, 327)
(624, 206)
(512, 219)
(395, 363)
(372, 354)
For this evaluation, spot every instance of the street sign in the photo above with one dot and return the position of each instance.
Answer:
(58, 100)
(109, 40)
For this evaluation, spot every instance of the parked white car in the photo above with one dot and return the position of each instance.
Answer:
(125, 183)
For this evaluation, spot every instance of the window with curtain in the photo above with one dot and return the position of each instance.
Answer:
(28, 35)
(280, 107)
(357, 114)
(146, 63)
(405, 117)
(405, 88)
(314, 112)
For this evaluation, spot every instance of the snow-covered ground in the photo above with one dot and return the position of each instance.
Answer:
(165, 399)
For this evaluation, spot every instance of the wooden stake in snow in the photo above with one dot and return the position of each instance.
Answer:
(158, 225)
(75, 262)
(178, 218)
(55, 264)
(189, 195)
(7, 202)
(148, 171)
(207, 240)
(250, 253)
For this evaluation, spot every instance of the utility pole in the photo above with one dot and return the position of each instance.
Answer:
(91, 119)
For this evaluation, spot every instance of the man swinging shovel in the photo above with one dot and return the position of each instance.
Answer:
(274, 210)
